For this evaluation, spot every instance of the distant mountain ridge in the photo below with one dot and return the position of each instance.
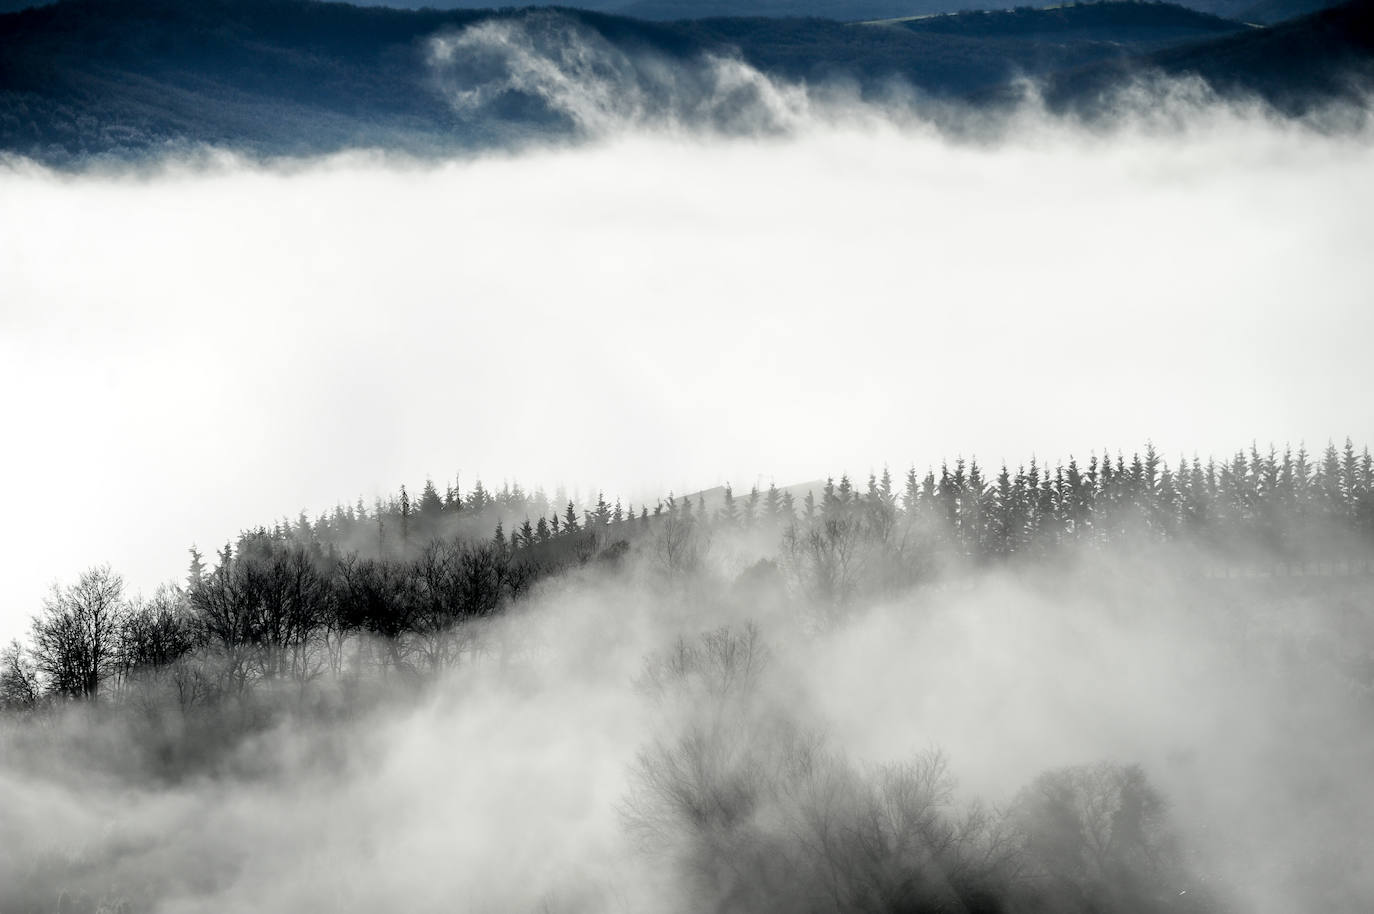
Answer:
(91, 78)
(1327, 56)
(1267, 12)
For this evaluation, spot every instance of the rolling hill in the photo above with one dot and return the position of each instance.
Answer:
(94, 78)
(1325, 57)
(1265, 11)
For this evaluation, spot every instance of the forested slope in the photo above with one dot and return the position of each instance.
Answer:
(284, 601)
(124, 78)
(1295, 67)
(319, 657)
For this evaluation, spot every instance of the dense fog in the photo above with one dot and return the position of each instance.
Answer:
(195, 348)
(640, 735)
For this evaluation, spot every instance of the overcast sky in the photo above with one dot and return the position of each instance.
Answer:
(186, 355)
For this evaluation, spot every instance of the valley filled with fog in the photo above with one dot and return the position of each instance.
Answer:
(212, 346)
(827, 658)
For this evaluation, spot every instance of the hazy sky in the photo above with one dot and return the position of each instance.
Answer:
(187, 354)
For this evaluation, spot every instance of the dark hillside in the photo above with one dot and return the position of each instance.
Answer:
(1294, 66)
(1271, 12)
(1121, 22)
(86, 78)
(951, 55)
(839, 10)
(91, 77)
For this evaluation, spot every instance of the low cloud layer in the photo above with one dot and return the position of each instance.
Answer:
(208, 346)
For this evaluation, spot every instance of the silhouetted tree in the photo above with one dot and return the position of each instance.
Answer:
(20, 689)
(156, 633)
(76, 638)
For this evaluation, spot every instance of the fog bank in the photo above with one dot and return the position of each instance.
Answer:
(512, 782)
(212, 346)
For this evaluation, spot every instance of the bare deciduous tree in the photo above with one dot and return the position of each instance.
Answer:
(826, 562)
(156, 632)
(1096, 838)
(76, 640)
(19, 686)
(681, 544)
(759, 815)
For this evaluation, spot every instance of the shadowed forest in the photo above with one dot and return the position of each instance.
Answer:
(93, 82)
(308, 633)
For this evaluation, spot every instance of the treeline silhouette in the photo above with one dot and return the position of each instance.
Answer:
(1295, 507)
(403, 590)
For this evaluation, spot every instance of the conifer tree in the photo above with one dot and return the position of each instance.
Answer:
(1329, 482)
(772, 504)
(1302, 481)
(197, 570)
(844, 493)
(1046, 516)
(729, 512)
(1003, 512)
(974, 520)
(947, 494)
(928, 490)
(911, 495)
(478, 499)
(343, 521)
(431, 505)
(830, 502)
(1152, 466)
(601, 516)
(1350, 474)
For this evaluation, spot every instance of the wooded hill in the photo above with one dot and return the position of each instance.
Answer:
(310, 631)
(411, 577)
(128, 78)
